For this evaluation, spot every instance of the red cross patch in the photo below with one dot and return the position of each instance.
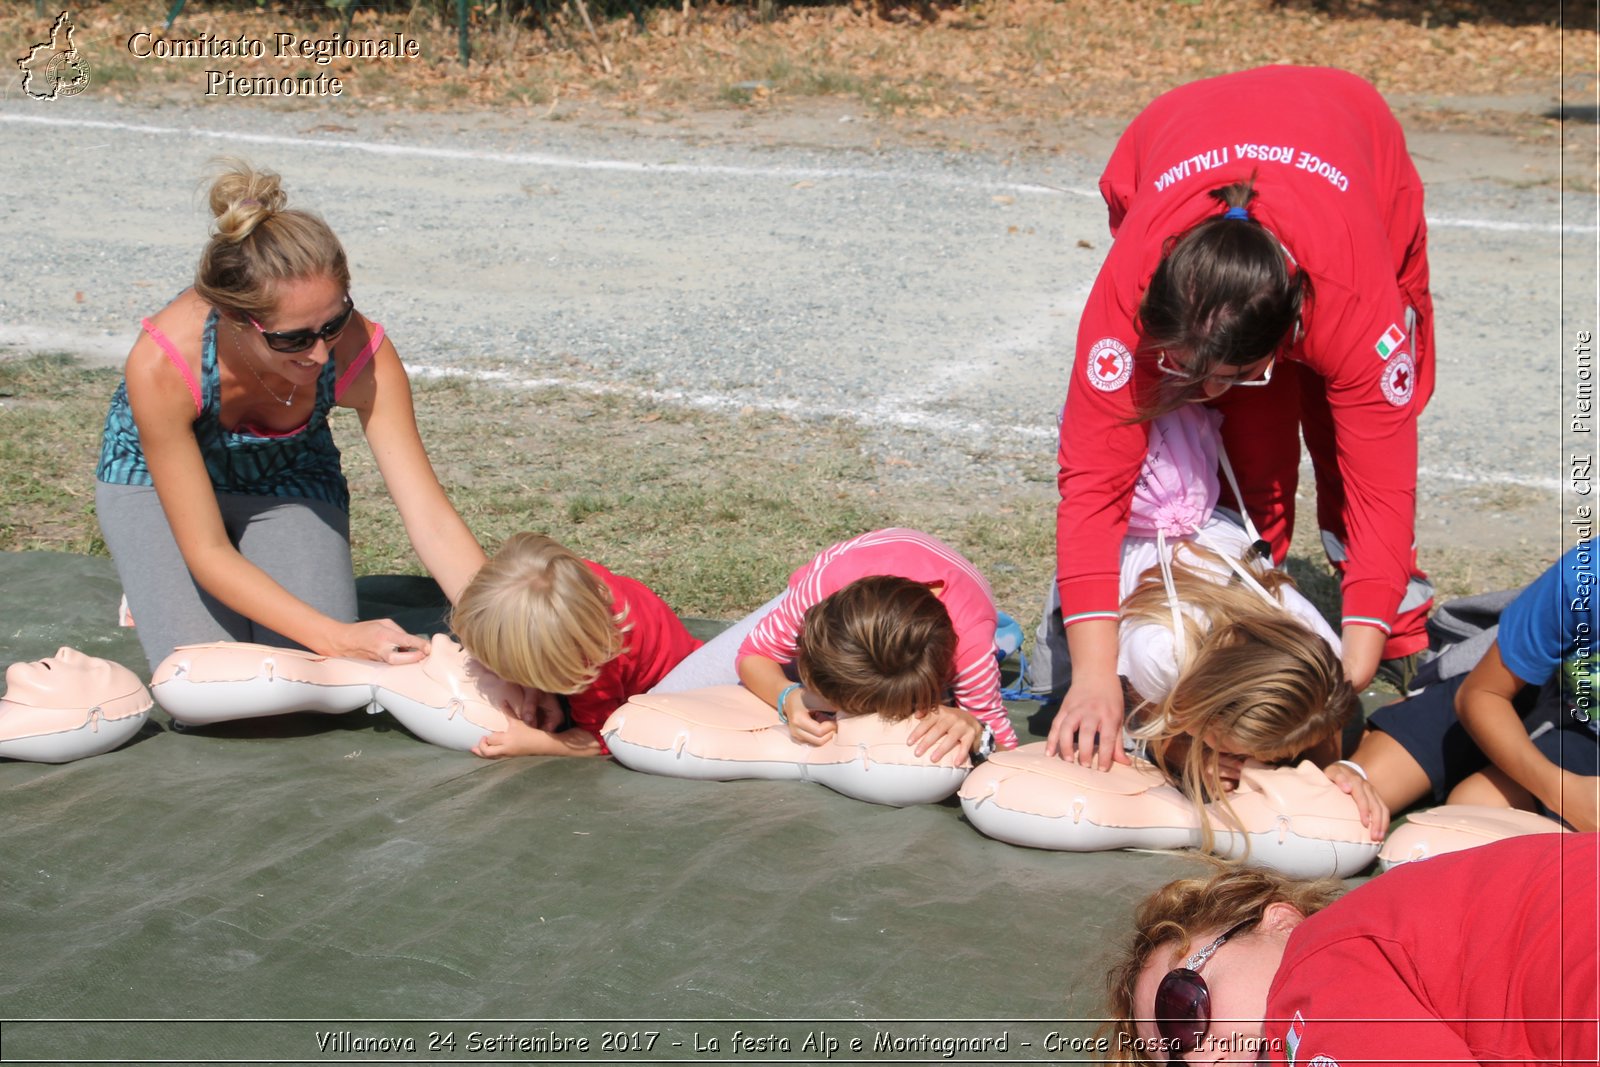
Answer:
(1399, 380)
(1109, 365)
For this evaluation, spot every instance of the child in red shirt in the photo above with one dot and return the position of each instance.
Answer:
(579, 639)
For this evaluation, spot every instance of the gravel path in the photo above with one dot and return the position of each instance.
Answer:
(932, 296)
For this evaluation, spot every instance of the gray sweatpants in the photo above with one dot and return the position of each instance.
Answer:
(713, 663)
(303, 544)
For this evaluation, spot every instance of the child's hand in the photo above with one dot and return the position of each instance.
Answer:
(531, 706)
(1374, 812)
(808, 725)
(1227, 769)
(517, 739)
(1088, 728)
(943, 730)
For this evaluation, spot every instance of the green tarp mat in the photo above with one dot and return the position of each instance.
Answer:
(330, 889)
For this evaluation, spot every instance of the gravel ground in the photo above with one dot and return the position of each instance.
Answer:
(929, 295)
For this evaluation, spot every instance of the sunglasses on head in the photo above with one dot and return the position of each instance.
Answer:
(1183, 1003)
(300, 340)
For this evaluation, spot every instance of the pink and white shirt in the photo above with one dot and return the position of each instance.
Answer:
(914, 555)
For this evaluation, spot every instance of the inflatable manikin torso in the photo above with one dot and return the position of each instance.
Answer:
(69, 706)
(446, 698)
(1292, 819)
(723, 733)
(1454, 827)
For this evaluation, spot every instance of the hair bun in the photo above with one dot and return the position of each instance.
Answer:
(242, 198)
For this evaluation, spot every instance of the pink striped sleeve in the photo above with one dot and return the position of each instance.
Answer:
(175, 358)
(774, 636)
(977, 689)
(359, 363)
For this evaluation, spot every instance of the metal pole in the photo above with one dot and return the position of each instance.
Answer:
(464, 45)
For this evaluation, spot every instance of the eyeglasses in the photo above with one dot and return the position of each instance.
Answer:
(1183, 1003)
(300, 340)
(1172, 370)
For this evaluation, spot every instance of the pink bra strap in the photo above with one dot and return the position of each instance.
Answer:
(359, 363)
(175, 358)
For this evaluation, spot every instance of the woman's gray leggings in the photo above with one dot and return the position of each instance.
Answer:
(303, 544)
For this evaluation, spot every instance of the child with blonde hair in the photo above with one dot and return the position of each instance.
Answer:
(1230, 661)
(1256, 682)
(579, 639)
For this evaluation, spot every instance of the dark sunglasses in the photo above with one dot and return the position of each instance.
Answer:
(1183, 1003)
(300, 340)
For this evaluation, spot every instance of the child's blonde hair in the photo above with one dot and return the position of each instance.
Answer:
(881, 645)
(535, 614)
(1252, 673)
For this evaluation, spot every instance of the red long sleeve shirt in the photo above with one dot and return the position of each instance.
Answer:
(1335, 185)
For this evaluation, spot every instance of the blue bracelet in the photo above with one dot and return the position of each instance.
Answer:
(783, 698)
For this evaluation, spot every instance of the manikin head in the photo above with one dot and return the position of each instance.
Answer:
(69, 680)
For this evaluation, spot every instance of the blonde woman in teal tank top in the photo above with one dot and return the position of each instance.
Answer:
(219, 488)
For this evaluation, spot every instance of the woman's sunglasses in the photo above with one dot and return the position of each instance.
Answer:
(1262, 377)
(300, 340)
(1183, 1003)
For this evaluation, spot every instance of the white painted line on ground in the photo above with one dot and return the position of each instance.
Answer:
(938, 422)
(1448, 223)
(530, 159)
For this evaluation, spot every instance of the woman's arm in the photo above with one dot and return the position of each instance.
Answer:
(163, 409)
(1483, 704)
(381, 395)
(1363, 650)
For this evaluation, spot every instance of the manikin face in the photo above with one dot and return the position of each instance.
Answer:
(1237, 976)
(69, 679)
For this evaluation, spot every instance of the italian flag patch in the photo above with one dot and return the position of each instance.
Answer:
(1392, 339)
(1292, 1038)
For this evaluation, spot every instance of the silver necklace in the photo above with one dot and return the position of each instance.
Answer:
(250, 363)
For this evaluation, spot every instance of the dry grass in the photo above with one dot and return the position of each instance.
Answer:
(716, 536)
(999, 59)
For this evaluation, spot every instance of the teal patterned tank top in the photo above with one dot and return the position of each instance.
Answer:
(302, 463)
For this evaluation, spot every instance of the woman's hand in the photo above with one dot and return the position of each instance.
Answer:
(1374, 812)
(1088, 727)
(378, 639)
(943, 730)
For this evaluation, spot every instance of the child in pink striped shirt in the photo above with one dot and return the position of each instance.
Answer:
(893, 622)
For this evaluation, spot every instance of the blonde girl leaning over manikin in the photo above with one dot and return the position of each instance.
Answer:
(1256, 681)
(1228, 660)
(219, 488)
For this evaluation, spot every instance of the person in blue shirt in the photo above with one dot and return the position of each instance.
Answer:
(1547, 638)
(1520, 730)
